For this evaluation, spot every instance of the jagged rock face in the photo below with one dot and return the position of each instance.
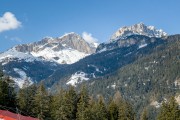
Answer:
(138, 40)
(75, 41)
(71, 40)
(138, 29)
(67, 49)
(138, 34)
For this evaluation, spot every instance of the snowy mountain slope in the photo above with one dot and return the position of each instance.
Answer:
(137, 29)
(77, 78)
(22, 77)
(34, 72)
(48, 54)
(67, 49)
(138, 34)
(66, 56)
(13, 54)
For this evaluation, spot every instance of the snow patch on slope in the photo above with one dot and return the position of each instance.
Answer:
(77, 78)
(20, 81)
(66, 34)
(102, 50)
(66, 56)
(142, 45)
(155, 104)
(13, 53)
(177, 83)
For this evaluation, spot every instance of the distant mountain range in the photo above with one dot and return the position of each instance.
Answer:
(63, 53)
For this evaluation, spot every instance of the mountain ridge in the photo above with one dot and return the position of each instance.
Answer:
(57, 50)
(49, 54)
(137, 29)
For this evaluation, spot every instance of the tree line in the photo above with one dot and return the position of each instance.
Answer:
(68, 104)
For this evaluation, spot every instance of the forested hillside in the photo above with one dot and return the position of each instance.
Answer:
(149, 80)
(68, 104)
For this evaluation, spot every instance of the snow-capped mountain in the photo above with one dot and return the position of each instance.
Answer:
(48, 54)
(138, 29)
(69, 58)
(138, 34)
(67, 49)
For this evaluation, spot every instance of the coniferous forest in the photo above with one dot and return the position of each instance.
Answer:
(69, 104)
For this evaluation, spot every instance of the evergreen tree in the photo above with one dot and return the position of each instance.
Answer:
(1, 72)
(25, 99)
(57, 106)
(117, 98)
(169, 110)
(70, 103)
(91, 110)
(126, 112)
(41, 103)
(64, 105)
(101, 111)
(82, 104)
(22, 100)
(113, 110)
(7, 93)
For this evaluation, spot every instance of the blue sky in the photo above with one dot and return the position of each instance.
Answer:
(36, 19)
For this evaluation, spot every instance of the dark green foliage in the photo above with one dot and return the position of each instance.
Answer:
(68, 105)
(169, 111)
(7, 93)
(82, 104)
(1, 72)
(101, 113)
(113, 110)
(65, 104)
(114, 106)
(71, 103)
(41, 102)
(126, 112)
(25, 98)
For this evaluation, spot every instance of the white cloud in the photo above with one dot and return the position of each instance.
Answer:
(8, 22)
(89, 38)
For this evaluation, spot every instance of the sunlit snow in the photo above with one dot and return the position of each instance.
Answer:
(76, 78)
(20, 81)
(142, 45)
(66, 56)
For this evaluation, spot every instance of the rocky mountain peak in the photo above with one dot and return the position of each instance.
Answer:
(66, 49)
(138, 29)
(67, 41)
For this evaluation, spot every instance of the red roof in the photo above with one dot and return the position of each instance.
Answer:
(6, 115)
